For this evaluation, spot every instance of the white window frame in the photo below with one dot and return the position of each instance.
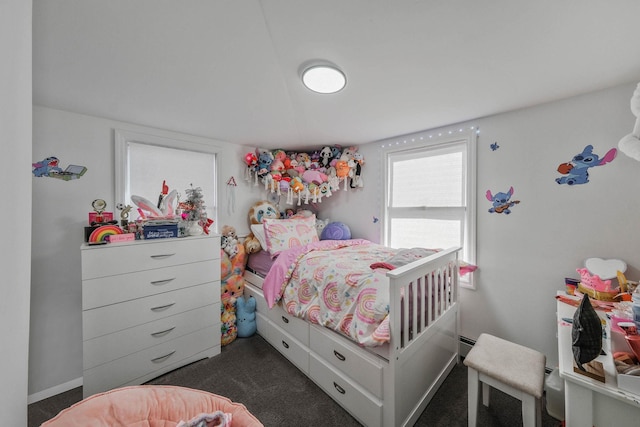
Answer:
(124, 137)
(423, 142)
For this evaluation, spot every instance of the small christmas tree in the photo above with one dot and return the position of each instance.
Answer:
(195, 201)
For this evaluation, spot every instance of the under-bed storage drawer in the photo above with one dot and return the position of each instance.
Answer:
(290, 324)
(298, 328)
(364, 368)
(361, 404)
(290, 347)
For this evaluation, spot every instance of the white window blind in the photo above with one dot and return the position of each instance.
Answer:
(143, 162)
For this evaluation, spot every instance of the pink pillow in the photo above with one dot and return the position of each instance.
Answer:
(283, 234)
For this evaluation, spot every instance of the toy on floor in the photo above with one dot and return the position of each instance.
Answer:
(231, 286)
(246, 317)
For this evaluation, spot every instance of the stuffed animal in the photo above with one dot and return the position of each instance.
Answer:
(264, 163)
(259, 211)
(229, 231)
(336, 231)
(231, 289)
(325, 156)
(229, 240)
(228, 328)
(246, 317)
(229, 245)
(321, 224)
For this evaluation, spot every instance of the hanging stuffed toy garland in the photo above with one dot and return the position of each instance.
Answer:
(306, 176)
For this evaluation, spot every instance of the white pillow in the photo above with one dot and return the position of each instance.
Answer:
(258, 231)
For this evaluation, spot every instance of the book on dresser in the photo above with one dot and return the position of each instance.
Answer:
(148, 307)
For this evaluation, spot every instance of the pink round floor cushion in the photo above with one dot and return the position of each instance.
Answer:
(149, 406)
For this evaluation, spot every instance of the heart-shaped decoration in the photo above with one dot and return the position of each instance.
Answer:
(605, 268)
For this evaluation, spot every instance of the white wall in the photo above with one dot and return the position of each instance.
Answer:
(60, 212)
(524, 257)
(15, 134)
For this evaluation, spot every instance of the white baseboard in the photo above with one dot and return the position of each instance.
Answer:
(465, 345)
(60, 388)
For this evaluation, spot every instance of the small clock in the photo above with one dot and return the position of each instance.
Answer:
(99, 205)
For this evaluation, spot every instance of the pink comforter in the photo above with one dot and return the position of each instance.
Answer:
(331, 283)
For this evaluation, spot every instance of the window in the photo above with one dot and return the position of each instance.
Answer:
(143, 162)
(430, 193)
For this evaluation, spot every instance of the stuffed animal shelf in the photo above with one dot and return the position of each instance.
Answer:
(233, 259)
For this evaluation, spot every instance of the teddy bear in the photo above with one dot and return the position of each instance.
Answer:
(229, 240)
(259, 211)
(246, 317)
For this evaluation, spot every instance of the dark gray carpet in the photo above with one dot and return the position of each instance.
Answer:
(252, 372)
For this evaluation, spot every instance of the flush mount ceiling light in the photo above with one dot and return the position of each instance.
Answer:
(323, 78)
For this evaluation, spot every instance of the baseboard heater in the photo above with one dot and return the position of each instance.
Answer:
(467, 343)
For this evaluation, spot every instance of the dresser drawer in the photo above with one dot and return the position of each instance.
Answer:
(361, 404)
(121, 258)
(108, 347)
(296, 327)
(150, 362)
(116, 317)
(113, 289)
(291, 348)
(363, 368)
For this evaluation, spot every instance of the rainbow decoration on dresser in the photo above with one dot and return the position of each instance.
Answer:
(101, 233)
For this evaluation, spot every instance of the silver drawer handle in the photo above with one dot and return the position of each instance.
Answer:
(340, 389)
(162, 307)
(285, 320)
(161, 256)
(162, 333)
(162, 282)
(339, 356)
(162, 358)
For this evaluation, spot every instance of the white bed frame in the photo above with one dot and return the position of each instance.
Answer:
(384, 386)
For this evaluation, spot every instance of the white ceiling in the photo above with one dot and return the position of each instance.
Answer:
(230, 69)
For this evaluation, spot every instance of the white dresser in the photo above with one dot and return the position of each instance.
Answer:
(148, 307)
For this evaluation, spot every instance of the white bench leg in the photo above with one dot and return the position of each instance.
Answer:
(486, 390)
(531, 408)
(473, 380)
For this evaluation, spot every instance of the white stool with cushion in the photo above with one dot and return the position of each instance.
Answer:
(511, 368)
